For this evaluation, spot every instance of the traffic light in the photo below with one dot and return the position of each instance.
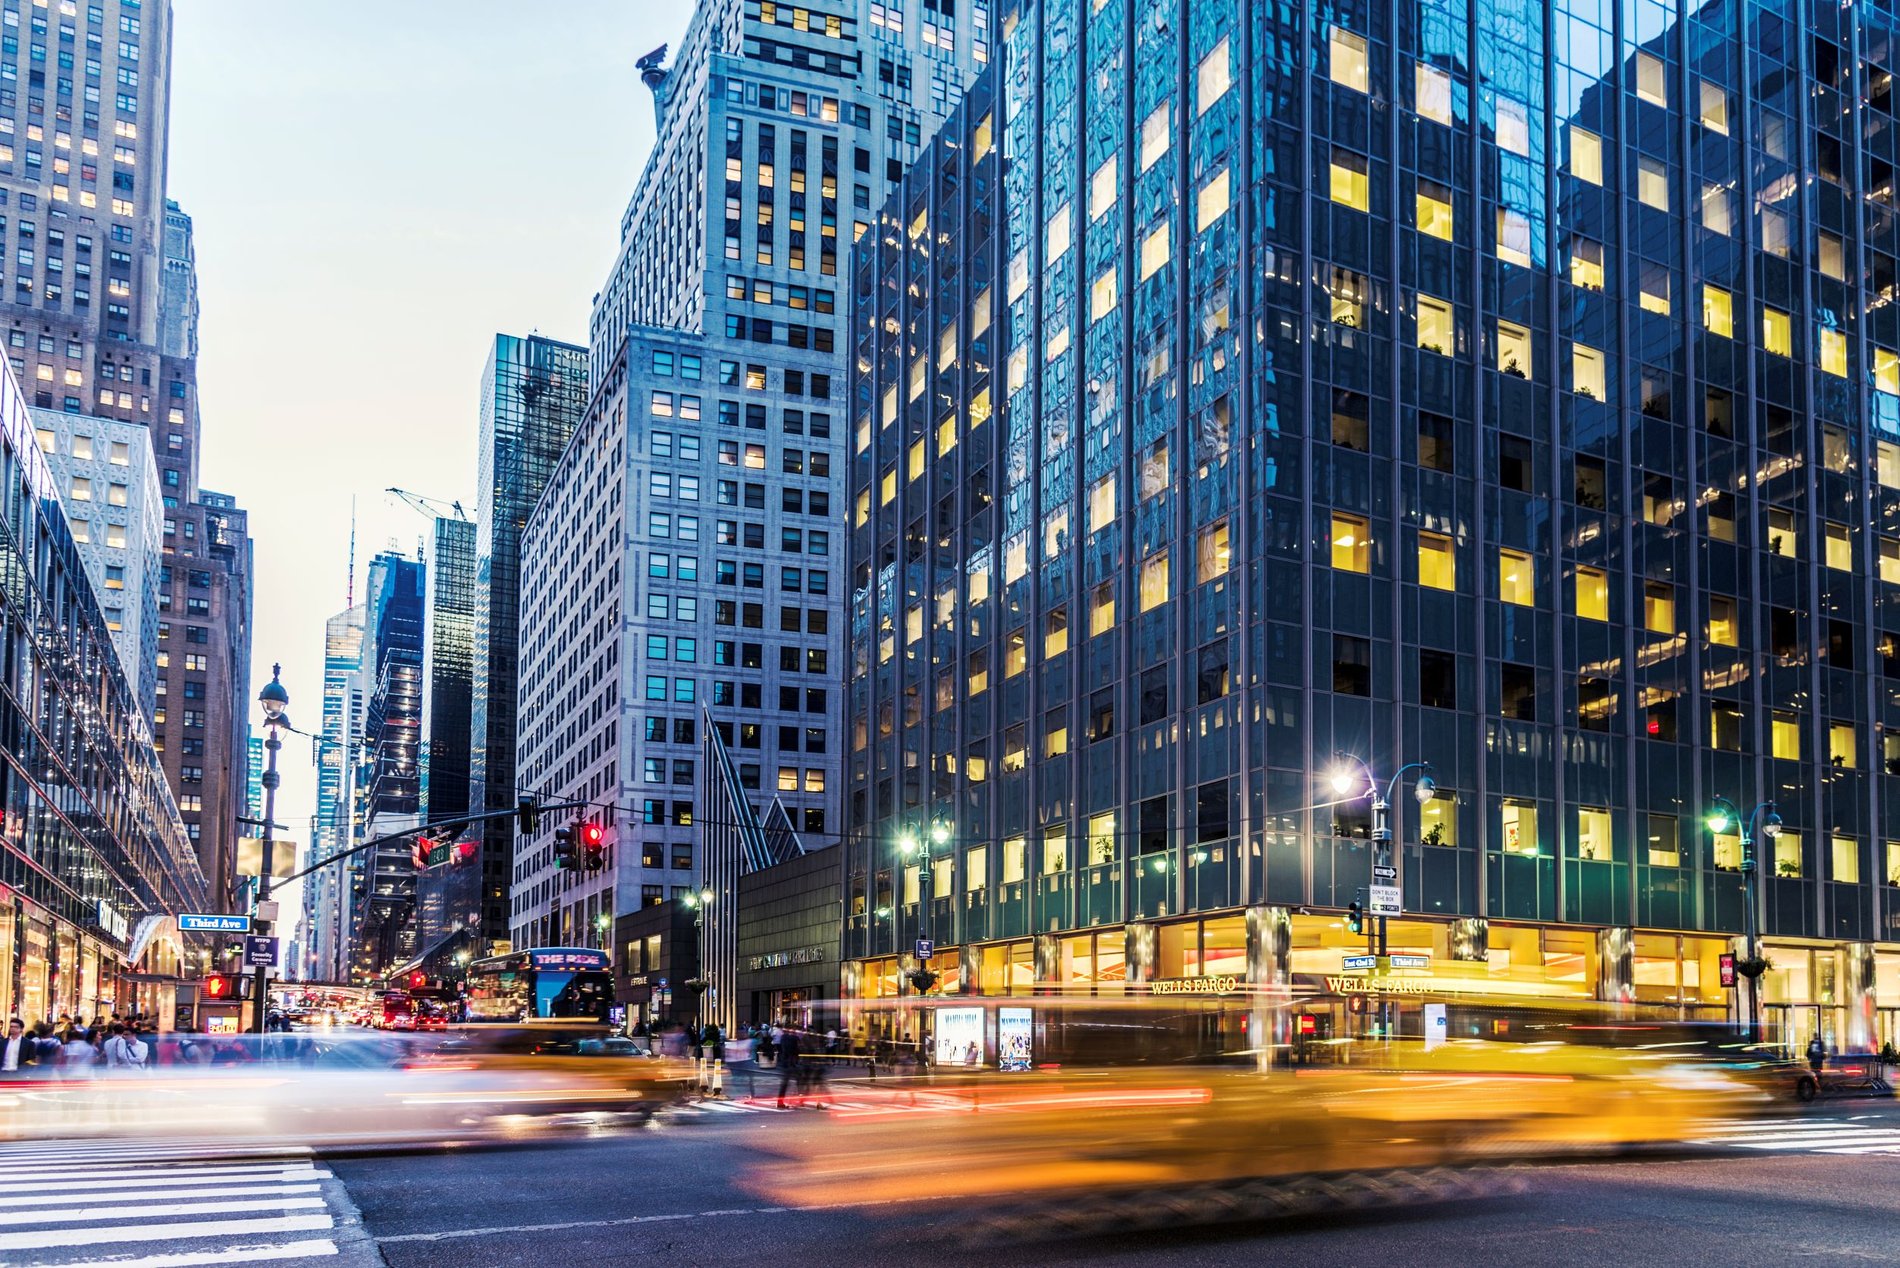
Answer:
(217, 986)
(465, 852)
(528, 815)
(420, 854)
(418, 980)
(565, 855)
(594, 842)
(1356, 917)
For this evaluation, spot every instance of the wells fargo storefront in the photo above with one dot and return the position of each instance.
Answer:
(1265, 973)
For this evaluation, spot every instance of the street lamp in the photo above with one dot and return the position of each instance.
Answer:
(274, 699)
(1350, 772)
(1765, 819)
(699, 902)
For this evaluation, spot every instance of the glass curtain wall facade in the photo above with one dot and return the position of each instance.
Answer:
(1488, 384)
(389, 766)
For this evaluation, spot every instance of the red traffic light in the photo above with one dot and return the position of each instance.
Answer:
(420, 855)
(418, 980)
(593, 836)
(217, 986)
(465, 851)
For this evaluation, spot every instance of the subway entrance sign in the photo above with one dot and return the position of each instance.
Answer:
(191, 922)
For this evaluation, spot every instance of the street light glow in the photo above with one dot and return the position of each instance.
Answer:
(940, 832)
(1343, 780)
(907, 843)
(1719, 822)
(1425, 789)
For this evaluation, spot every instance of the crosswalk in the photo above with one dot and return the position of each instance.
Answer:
(1799, 1133)
(172, 1204)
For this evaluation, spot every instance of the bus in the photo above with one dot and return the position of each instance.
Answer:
(567, 982)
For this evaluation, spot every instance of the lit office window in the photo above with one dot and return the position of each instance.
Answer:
(1349, 62)
(1434, 209)
(1586, 155)
(1776, 332)
(1586, 372)
(1349, 183)
(1593, 594)
(1517, 578)
(1352, 547)
(1437, 561)
(1432, 94)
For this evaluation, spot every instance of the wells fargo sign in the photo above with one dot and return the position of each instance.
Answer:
(1213, 984)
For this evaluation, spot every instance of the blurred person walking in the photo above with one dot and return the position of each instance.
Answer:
(18, 1053)
(788, 1071)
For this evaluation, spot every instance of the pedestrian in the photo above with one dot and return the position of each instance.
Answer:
(16, 1057)
(1817, 1053)
(79, 1056)
(126, 1051)
(742, 1058)
(788, 1071)
(768, 1042)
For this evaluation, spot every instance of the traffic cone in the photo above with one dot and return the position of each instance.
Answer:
(718, 1076)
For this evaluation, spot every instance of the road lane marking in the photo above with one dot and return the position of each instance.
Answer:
(88, 1214)
(308, 1249)
(246, 1189)
(44, 1238)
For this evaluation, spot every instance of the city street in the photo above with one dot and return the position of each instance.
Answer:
(1817, 1186)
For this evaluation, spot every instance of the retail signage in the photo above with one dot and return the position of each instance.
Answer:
(959, 1036)
(784, 959)
(1384, 900)
(110, 920)
(1213, 984)
(190, 922)
(1725, 964)
(1015, 1030)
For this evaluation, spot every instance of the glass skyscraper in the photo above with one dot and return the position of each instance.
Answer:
(1509, 386)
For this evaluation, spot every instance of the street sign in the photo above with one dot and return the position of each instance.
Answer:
(193, 922)
(1383, 900)
(1411, 961)
(260, 951)
(266, 909)
(1384, 872)
(926, 948)
(1359, 963)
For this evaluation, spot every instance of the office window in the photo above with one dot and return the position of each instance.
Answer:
(1517, 577)
(1659, 607)
(1887, 373)
(1432, 94)
(1155, 132)
(1842, 749)
(1214, 76)
(1154, 251)
(1782, 539)
(1055, 633)
(1833, 352)
(1665, 841)
(1776, 332)
(1437, 679)
(1212, 202)
(1102, 185)
(1652, 182)
(1840, 547)
(1352, 665)
(1586, 264)
(1784, 737)
(1513, 127)
(1102, 609)
(1593, 594)
(1514, 237)
(1519, 821)
(1890, 560)
(1593, 834)
(1352, 550)
(1723, 630)
(1349, 182)
(1514, 350)
(1718, 312)
(1586, 155)
(1652, 289)
(1832, 256)
(1434, 209)
(1714, 107)
(1435, 328)
(1212, 553)
(1154, 581)
(1846, 860)
(1650, 85)
(1437, 561)
(1718, 209)
(1776, 237)
(1348, 59)
(1586, 372)
(1787, 854)
(1434, 442)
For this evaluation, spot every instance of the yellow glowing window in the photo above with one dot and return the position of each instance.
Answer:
(1782, 539)
(1650, 85)
(1055, 533)
(1015, 750)
(1055, 633)
(1593, 594)
(1438, 820)
(1834, 352)
(1841, 746)
(1840, 547)
(1432, 94)
(1057, 345)
(1832, 257)
(1586, 371)
(980, 143)
(1102, 295)
(1211, 552)
(1586, 264)
(1777, 332)
(915, 460)
(1722, 628)
(1784, 737)
(1517, 578)
(1155, 130)
(1519, 821)
(1015, 652)
(979, 409)
(1055, 734)
(979, 673)
(1593, 835)
(1102, 609)
(1434, 209)
(1514, 237)
(1056, 235)
(1787, 854)
(946, 435)
(1102, 188)
(1846, 862)
(1718, 210)
(1213, 77)
(887, 488)
(1015, 859)
(1586, 155)
(1887, 373)
(1348, 63)
(1154, 581)
(1435, 328)
(1652, 182)
(1437, 561)
(1349, 185)
(1513, 126)
(1102, 503)
(1659, 607)
(1212, 202)
(1725, 849)
(1890, 560)
(1718, 312)
(864, 507)
(1514, 350)
(1154, 251)
(1652, 292)
(1352, 545)
(1714, 107)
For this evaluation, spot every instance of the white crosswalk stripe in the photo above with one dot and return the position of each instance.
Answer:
(1851, 1134)
(168, 1204)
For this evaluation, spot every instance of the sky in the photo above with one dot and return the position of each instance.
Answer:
(378, 188)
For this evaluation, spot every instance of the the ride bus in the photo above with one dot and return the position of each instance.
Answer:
(566, 982)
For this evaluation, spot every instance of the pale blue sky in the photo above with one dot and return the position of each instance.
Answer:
(378, 187)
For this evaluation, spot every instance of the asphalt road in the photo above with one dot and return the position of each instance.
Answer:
(675, 1196)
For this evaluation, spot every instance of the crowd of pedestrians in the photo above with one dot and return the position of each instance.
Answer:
(69, 1048)
(727, 1063)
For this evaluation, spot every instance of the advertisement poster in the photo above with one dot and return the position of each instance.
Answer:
(959, 1036)
(1013, 1031)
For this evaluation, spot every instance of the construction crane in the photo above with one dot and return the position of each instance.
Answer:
(430, 506)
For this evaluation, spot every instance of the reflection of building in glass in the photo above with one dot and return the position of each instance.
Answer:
(533, 393)
(95, 859)
(389, 771)
(448, 663)
(326, 892)
(1238, 388)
